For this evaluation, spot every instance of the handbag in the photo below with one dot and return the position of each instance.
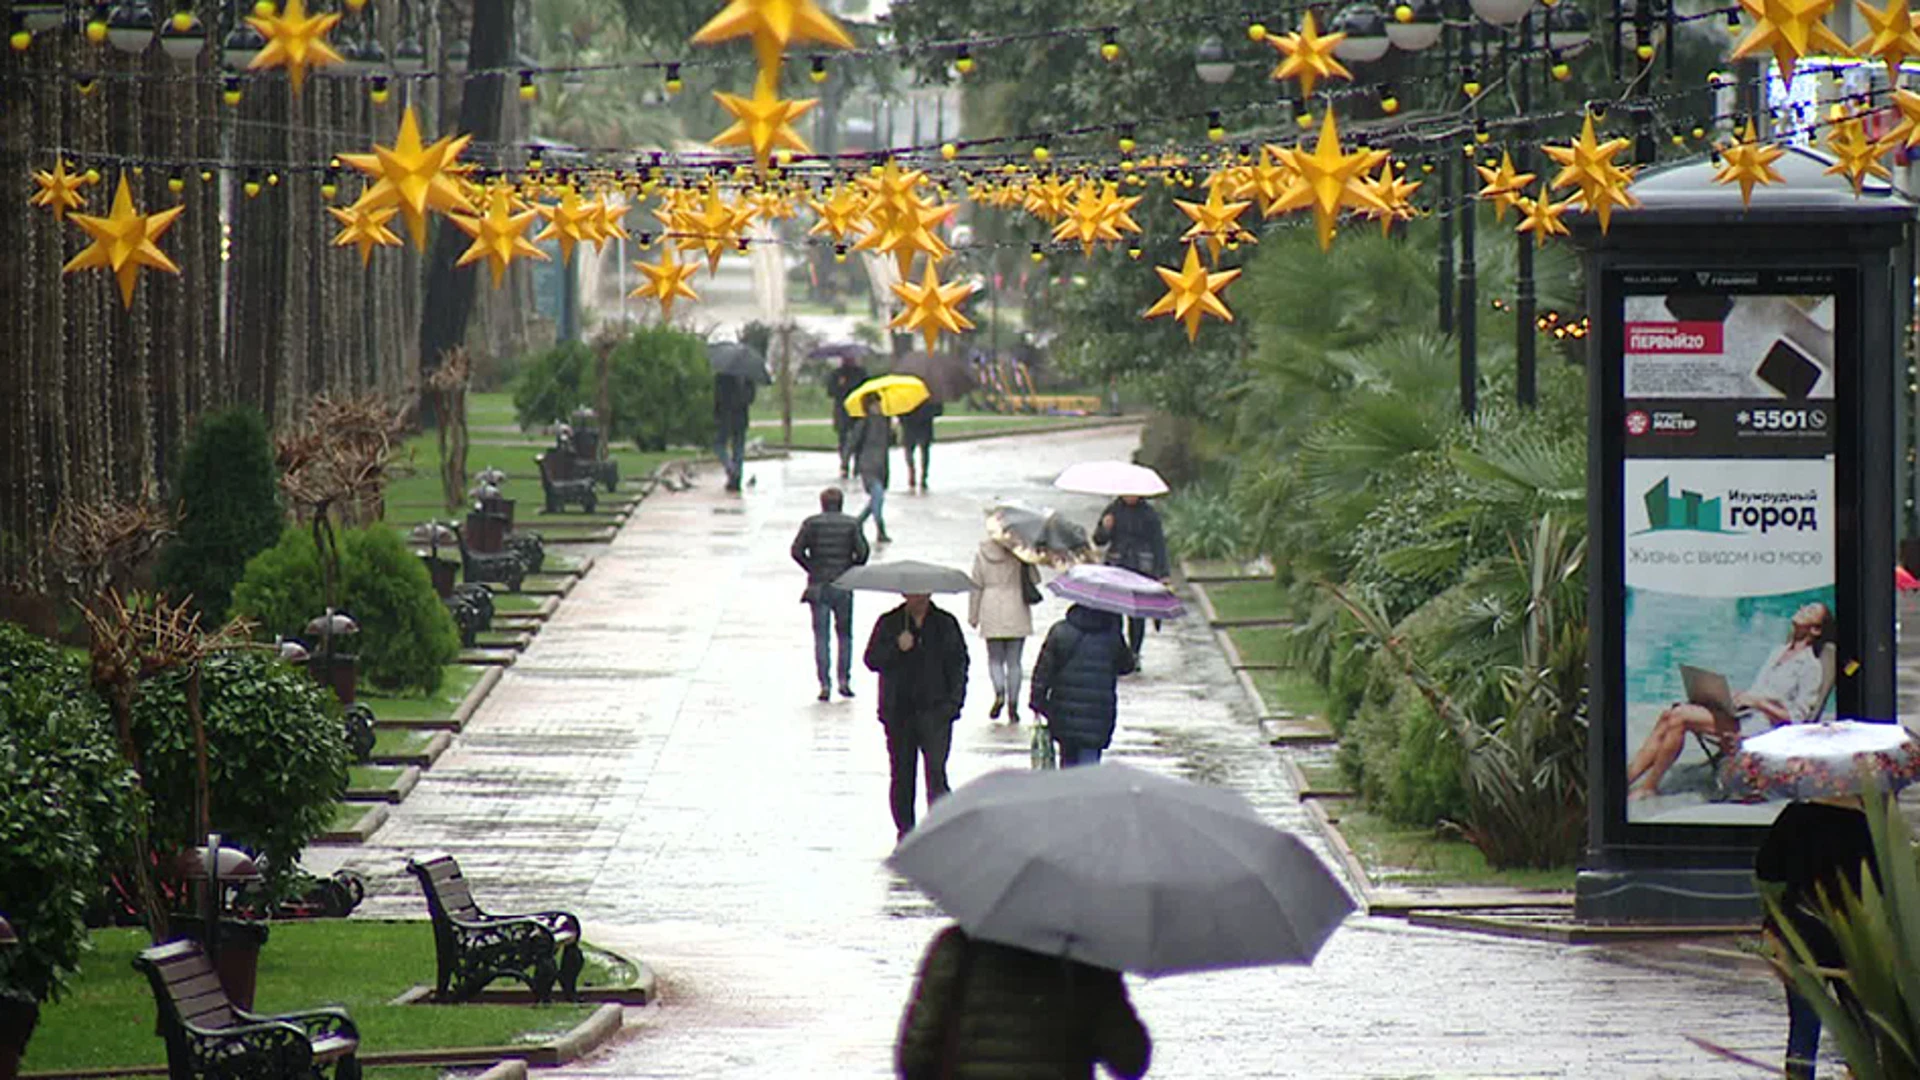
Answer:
(1042, 751)
(1030, 584)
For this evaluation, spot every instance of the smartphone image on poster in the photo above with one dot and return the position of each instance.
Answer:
(1789, 370)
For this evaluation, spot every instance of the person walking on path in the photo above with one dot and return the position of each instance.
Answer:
(828, 544)
(916, 433)
(1075, 682)
(999, 609)
(874, 435)
(1130, 527)
(920, 655)
(732, 398)
(1812, 850)
(840, 383)
(985, 1011)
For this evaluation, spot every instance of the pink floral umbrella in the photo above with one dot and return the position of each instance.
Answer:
(1809, 761)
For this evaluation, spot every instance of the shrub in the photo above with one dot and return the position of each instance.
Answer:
(406, 635)
(229, 509)
(659, 387)
(276, 761)
(1203, 523)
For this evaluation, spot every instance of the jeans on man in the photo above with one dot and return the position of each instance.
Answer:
(876, 505)
(928, 738)
(1072, 754)
(833, 613)
(1803, 1036)
(730, 446)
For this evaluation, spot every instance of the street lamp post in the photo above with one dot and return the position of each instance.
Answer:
(1210, 62)
(1524, 300)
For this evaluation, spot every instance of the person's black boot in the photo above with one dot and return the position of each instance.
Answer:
(998, 704)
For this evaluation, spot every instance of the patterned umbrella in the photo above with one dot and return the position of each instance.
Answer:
(1810, 761)
(1037, 534)
(1121, 591)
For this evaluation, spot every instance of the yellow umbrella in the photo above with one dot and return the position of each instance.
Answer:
(899, 394)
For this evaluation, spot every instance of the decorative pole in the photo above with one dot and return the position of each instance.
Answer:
(1469, 276)
(1524, 301)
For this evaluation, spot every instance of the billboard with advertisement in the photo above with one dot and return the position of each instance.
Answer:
(1729, 526)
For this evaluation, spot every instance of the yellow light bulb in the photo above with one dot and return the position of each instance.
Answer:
(231, 95)
(1644, 52)
(1126, 144)
(182, 21)
(92, 175)
(96, 30)
(1041, 154)
(1403, 13)
(1471, 87)
(176, 185)
(949, 151)
(263, 8)
(1109, 51)
(251, 187)
(1305, 120)
(1257, 32)
(1390, 105)
(20, 40)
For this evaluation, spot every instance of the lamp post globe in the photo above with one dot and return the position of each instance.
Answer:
(130, 26)
(1366, 28)
(1210, 62)
(1501, 12)
(1414, 25)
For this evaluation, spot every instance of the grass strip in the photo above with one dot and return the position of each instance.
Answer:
(1246, 599)
(1260, 644)
(1403, 855)
(346, 815)
(107, 1019)
(372, 777)
(393, 743)
(1290, 691)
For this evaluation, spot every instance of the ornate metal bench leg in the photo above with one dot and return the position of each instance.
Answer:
(571, 961)
(347, 1068)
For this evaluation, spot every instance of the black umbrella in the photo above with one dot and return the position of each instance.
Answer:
(729, 358)
(949, 377)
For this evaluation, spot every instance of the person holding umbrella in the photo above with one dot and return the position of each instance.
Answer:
(916, 433)
(871, 439)
(1075, 682)
(732, 398)
(1130, 527)
(840, 382)
(999, 609)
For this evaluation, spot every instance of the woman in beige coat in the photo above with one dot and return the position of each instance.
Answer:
(998, 609)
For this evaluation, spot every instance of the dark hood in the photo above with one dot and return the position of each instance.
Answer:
(1092, 620)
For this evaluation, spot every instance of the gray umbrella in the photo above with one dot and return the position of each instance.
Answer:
(730, 358)
(1037, 534)
(905, 576)
(1122, 869)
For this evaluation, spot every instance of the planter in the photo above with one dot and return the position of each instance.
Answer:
(486, 532)
(338, 672)
(235, 955)
(500, 506)
(18, 1017)
(442, 572)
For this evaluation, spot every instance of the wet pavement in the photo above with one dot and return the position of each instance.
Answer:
(656, 762)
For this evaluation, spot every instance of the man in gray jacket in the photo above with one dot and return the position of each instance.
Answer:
(828, 543)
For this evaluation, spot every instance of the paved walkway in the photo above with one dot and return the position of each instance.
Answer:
(656, 761)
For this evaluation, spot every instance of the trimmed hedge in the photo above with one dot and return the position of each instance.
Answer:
(229, 510)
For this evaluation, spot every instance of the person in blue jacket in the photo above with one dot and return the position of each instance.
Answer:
(1075, 679)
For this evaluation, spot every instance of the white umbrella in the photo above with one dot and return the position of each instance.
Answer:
(1111, 478)
(1810, 761)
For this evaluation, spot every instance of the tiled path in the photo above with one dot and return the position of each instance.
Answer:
(656, 761)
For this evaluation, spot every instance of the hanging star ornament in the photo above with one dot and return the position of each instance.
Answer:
(841, 214)
(1266, 181)
(571, 221)
(59, 189)
(1504, 185)
(1214, 221)
(1748, 162)
(415, 177)
(1791, 29)
(666, 280)
(499, 235)
(1541, 217)
(1326, 180)
(931, 307)
(1856, 157)
(1587, 163)
(781, 22)
(762, 123)
(295, 41)
(1392, 196)
(1193, 293)
(124, 241)
(1308, 55)
(1905, 134)
(365, 227)
(1890, 35)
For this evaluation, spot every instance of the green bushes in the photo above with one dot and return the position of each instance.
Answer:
(659, 387)
(1202, 523)
(406, 635)
(229, 509)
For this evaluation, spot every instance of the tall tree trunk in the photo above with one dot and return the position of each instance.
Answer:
(449, 299)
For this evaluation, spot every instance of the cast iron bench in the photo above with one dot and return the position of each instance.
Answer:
(504, 567)
(475, 948)
(559, 490)
(209, 1037)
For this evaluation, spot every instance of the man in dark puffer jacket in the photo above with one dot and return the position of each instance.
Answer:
(1002, 1013)
(1074, 682)
(828, 544)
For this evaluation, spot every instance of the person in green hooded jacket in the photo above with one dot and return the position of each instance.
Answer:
(986, 1011)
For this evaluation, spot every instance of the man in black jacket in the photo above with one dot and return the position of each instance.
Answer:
(841, 382)
(828, 543)
(732, 398)
(921, 658)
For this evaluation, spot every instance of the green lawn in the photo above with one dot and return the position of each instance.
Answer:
(371, 777)
(346, 815)
(107, 1019)
(393, 741)
(1260, 644)
(455, 681)
(489, 410)
(1290, 691)
(422, 489)
(1247, 600)
(1407, 855)
(516, 603)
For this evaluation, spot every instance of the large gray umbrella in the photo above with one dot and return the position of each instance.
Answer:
(729, 358)
(1036, 534)
(1122, 869)
(905, 576)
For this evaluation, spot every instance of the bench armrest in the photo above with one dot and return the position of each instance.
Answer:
(519, 930)
(316, 1023)
(265, 1048)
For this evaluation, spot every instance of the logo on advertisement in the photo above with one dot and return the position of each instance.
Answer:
(1689, 511)
(1638, 423)
(1762, 511)
(1675, 422)
(1692, 338)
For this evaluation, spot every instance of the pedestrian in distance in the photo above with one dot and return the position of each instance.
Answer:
(1813, 850)
(916, 434)
(827, 545)
(999, 608)
(1075, 682)
(1130, 528)
(920, 654)
(732, 398)
(841, 382)
(871, 441)
(985, 1011)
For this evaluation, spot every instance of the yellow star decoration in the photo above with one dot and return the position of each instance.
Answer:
(771, 206)
(1505, 185)
(842, 213)
(931, 307)
(415, 177)
(1906, 134)
(904, 234)
(295, 41)
(1541, 217)
(1192, 293)
(1214, 221)
(1588, 164)
(499, 236)
(1266, 181)
(1326, 180)
(1855, 156)
(761, 123)
(572, 220)
(713, 228)
(1392, 195)
(1891, 37)
(779, 21)
(124, 241)
(1748, 162)
(609, 220)
(1792, 29)
(1309, 55)
(1094, 217)
(365, 227)
(666, 280)
(59, 190)
(1049, 197)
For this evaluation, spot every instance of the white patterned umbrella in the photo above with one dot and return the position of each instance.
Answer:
(1810, 761)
